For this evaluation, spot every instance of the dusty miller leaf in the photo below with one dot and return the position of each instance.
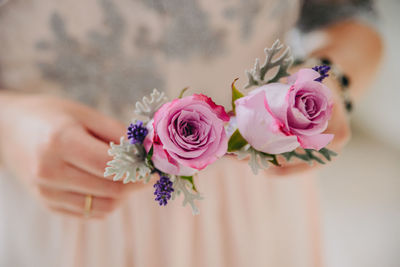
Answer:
(150, 104)
(258, 160)
(328, 154)
(256, 76)
(186, 188)
(190, 180)
(128, 163)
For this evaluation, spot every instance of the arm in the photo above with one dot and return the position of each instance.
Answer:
(357, 49)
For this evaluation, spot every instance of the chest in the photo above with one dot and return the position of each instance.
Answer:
(104, 52)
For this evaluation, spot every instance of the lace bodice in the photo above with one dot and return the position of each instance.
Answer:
(107, 54)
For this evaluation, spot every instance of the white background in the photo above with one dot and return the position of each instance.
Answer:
(360, 192)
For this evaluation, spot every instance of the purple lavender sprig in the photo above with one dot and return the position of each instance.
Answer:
(137, 132)
(323, 71)
(163, 190)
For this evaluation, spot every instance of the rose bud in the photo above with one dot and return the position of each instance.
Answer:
(277, 118)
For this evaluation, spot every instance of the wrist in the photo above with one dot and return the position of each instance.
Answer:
(334, 77)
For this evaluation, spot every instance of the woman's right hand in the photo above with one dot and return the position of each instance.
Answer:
(59, 149)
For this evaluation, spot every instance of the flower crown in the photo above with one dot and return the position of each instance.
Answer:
(178, 138)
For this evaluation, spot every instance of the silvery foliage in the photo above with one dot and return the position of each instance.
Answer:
(150, 104)
(256, 76)
(257, 160)
(185, 187)
(279, 58)
(128, 163)
(130, 160)
(231, 126)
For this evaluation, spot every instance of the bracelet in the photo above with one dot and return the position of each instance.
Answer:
(342, 79)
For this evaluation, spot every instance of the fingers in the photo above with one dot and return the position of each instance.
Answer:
(66, 190)
(105, 128)
(293, 167)
(74, 203)
(339, 122)
(290, 169)
(75, 180)
(339, 125)
(85, 152)
(69, 213)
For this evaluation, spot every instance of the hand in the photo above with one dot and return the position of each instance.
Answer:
(338, 125)
(59, 149)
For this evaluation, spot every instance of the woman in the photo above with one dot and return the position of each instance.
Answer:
(70, 72)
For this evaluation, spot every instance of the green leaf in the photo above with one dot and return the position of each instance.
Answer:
(327, 153)
(182, 92)
(274, 160)
(309, 155)
(287, 155)
(190, 179)
(150, 153)
(149, 162)
(236, 94)
(236, 141)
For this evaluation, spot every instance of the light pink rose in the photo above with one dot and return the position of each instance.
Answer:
(277, 118)
(187, 135)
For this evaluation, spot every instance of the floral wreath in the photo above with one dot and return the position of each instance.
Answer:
(178, 138)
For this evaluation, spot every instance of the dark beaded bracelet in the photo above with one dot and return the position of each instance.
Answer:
(344, 82)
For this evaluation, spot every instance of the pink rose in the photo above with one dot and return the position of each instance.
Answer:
(187, 135)
(277, 118)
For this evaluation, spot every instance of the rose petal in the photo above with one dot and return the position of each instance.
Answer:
(167, 140)
(203, 142)
(161, 161)
(219, 110)
(297, 121)
(312, 130)
(303, 75)
(316, 141)
(276, 96)
(260, 128)
(148, 140)
(215, 151)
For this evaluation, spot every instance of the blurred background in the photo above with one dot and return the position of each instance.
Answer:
(360, 192)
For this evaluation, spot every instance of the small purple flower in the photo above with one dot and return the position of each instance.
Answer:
(323, 71)
(137, 132)
(163, 190)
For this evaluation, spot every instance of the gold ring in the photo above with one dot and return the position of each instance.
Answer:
(88, 204)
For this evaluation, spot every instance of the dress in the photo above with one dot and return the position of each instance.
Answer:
(107, 54)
